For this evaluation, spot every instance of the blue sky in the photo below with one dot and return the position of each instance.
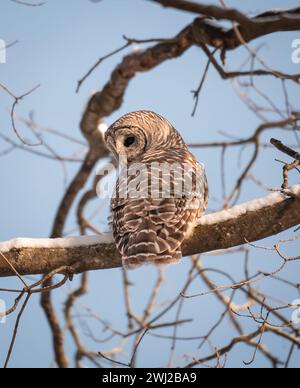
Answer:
(58, 43)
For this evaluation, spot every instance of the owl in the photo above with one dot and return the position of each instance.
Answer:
(160, 193)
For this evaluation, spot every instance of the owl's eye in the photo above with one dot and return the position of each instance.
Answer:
(129, 141)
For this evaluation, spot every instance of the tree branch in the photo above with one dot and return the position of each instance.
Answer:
(250, 222)
(250, 28)
(221, 13)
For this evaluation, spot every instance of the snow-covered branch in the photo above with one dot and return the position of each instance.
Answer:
(250, 222)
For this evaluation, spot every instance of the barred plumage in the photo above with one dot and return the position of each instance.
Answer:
(161, 190)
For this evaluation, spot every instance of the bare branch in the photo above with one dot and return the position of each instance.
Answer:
(229, 228)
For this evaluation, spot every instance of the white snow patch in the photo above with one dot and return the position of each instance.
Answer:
(67, 242)
(103, 127)
(252, 206)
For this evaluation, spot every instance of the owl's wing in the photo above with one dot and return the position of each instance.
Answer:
(152, 231)
(148, 230)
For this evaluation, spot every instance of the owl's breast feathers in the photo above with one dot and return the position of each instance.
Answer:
(155, 209)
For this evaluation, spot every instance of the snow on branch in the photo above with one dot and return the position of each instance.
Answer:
(248, 222)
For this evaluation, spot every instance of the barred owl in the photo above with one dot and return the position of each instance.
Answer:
(160, 193)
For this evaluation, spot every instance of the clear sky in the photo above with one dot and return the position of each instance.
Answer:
(57, 43)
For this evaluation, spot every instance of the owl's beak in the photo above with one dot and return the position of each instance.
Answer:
(111, 145)
(109, 142)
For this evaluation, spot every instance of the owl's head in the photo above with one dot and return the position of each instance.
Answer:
(134, 134)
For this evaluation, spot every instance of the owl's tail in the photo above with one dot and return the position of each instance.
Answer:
(136, 261)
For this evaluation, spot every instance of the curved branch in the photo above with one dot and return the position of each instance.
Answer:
(250, 222)
(285, 18)
(250, 28)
